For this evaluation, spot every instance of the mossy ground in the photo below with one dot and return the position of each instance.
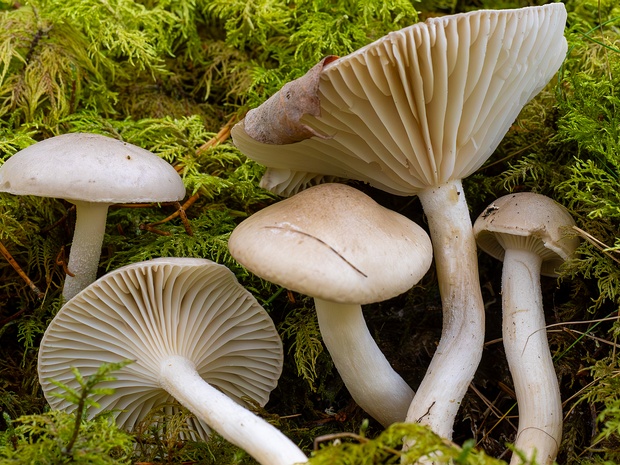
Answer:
(172, 76)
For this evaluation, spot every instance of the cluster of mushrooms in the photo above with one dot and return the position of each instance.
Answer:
(412, 114)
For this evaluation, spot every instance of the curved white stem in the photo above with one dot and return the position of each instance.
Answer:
(235, 423)
(90, 221)
(458, 354)
(369, 377)
(529, 358)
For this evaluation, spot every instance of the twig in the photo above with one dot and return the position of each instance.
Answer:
(597, 243)
(9, 258)
(499, 420)
(180, 211)
(61, 261)
(12, 317)
(492, 408)
(149, 228)
(599, 339)
(62, 219)
(221, 136)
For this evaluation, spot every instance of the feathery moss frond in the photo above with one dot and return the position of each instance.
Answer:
(302, 328)
(356, 449)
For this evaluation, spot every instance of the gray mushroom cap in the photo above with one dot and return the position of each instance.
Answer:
(191, 308)
(333, 242)
(92, 168)
(528, 220)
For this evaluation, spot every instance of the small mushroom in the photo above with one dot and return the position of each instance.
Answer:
(194, 334)
(531, 234)
(336, 244)
(92, 172)
(414, 113)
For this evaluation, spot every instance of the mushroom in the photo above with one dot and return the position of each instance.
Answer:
(337, 245)
(413, 114)
(92, 172)
(194, 334)
(530, 233)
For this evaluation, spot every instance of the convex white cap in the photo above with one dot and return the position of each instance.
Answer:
(92, 172)
(335, 243)
(528, 220)
(92, 168)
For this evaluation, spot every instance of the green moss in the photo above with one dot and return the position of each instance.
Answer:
(172, 76)
(357, 449)
(301, 327)
(58, 437)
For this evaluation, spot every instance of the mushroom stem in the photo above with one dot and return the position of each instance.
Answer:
(367, 374)
(529, 358)
(90, 221)
(235, 423)
(458, 354)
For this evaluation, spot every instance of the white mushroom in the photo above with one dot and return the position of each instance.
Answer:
(336, 244)
(413, 114)
(195, 335)
(531, 234)
(92, 172)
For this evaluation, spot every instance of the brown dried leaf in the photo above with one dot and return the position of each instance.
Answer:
(277, 120)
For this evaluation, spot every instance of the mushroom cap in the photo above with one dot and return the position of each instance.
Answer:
(147, 311)
(333, 242)
(91, 168)
(527, 220)
(421, 106)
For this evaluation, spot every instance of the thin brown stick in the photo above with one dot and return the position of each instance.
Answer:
(14, 316)
(499, 420)
(492, 408)
(180, 211)
(9, 258)
(599, 339)
(62, 219)
(221, 136)
(149, 228)
(61, 261)
(598, 244)
(184, 220)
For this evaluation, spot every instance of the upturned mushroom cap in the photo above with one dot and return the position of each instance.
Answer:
(92, 168)
(526, 219)
(333, 242)
(417, 108)
(192, 308)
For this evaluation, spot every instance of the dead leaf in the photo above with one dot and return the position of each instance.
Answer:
(277, 121)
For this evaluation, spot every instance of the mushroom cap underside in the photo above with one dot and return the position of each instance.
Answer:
(147, 311)
(423, 105)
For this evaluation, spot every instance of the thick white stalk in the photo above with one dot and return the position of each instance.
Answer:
(529, 358)
(90, 222)
(458, 354)
(235, 423)
(367, 374)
